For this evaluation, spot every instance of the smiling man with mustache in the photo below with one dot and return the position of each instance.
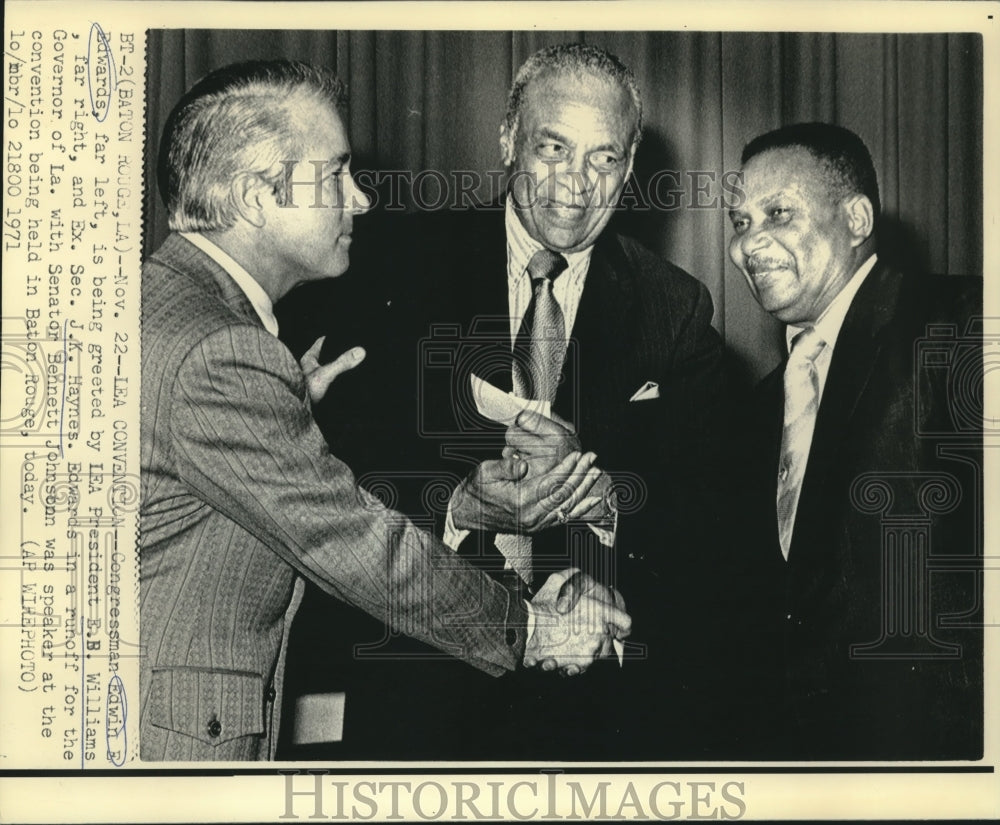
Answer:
(797, 246)
(854, 565)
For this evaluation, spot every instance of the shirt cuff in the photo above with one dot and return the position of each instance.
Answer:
(607, 530)
(606, 534)
(453, 537)
(530, 627)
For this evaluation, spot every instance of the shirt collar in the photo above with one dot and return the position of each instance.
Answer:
(832, 318)
(521, 246)
(255, 293)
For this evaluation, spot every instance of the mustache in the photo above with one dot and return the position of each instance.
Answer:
(756, 264)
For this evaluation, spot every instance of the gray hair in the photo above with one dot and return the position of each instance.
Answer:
(573, 58)
(238, 119)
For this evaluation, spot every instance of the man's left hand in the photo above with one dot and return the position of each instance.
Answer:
(542, 442)
(319, 378)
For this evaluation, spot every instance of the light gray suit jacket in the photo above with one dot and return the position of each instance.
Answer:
(240, 497)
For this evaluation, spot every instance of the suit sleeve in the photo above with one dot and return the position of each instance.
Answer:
(245, 442)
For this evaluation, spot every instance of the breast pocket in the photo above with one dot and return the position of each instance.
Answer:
(645, 417)
(209, 704)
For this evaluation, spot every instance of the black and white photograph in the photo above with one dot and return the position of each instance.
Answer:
(435, 410)
(605, 391)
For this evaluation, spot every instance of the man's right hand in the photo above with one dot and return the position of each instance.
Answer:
(320, 377)
(498, 496)
(575, 620)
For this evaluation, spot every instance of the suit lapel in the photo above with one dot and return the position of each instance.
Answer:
(599, 341)
(851, 369)
(481, 293)
(858, 346)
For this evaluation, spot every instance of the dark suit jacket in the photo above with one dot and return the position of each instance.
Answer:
(240, 497)
(864, 643)
(437, 310)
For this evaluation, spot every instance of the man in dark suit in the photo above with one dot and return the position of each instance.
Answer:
(453, 295)
(859, 493)
(240, 497)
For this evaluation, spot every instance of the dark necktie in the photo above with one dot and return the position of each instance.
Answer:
(540, 346)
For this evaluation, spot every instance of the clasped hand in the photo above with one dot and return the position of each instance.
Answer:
(501, 495)
(542, 480)
(541, 441)
(576, 620)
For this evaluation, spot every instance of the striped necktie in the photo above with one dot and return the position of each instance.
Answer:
(539, 350)
(801, 404)
(540, 346)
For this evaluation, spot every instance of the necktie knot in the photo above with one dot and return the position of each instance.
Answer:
(546, 264)
(806, 346)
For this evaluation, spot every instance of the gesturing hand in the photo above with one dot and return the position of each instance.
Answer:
(575, 620)
(497, 495)
(319, 378)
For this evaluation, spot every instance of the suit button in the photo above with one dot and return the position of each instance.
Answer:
(214, 728)
(271, 694)
(511, 636)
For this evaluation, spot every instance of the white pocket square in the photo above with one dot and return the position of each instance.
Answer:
(646, 392)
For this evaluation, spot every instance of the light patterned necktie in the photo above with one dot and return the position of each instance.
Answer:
(801, 404)
(539, 350)
(540, 346)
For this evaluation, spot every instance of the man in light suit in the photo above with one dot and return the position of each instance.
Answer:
(241, 498)
(639, 387)
(858, 551)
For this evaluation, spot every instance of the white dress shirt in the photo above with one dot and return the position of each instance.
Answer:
(255, 293)
(567, 288)
(829, 323)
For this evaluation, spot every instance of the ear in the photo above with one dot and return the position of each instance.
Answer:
(860, 218)
(506, 145)
(249, 196)
(631, 161)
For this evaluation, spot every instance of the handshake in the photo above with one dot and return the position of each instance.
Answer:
(544, 480)
(576, 620)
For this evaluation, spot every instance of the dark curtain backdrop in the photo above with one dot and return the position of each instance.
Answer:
(434, 100)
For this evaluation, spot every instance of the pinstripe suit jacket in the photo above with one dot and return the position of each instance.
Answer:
(240, 497)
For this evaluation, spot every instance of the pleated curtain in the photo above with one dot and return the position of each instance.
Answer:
(434, 100)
